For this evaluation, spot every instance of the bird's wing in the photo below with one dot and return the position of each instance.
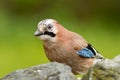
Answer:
(89, 52)
(83, 48)
(85, 53)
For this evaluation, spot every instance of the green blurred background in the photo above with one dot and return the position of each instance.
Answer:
(97, 20)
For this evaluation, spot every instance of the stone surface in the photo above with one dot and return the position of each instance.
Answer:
(105, 70)
(50, 71)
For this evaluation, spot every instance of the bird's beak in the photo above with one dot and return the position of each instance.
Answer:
(38, 33)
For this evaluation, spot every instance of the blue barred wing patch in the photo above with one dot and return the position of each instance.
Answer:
(85, 53)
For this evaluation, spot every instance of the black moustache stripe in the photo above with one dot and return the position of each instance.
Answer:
(49, 33)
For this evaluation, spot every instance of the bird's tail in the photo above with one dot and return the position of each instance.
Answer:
(98, 58)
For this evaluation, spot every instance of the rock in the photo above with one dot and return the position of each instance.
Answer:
(107, 69)
(104, 70)
(50, 71)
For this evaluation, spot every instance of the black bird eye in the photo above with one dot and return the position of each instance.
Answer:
(50, 26)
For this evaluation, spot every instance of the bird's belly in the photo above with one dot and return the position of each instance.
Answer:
(58, 55)
(77, 63)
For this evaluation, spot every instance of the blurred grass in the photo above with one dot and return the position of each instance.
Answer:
(20, 49)
(18, 46)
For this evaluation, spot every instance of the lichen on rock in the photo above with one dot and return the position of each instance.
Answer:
(50, 71)
(107, 69)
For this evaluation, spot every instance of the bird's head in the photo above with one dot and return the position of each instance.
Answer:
(46, 29)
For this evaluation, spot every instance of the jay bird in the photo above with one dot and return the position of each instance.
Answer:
(64, 46)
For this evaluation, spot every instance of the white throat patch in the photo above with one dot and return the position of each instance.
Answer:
(47, 38)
